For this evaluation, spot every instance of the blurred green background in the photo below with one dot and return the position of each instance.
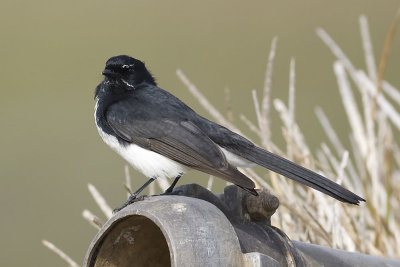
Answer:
(52, 54)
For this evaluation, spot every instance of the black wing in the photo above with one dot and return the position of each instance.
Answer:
(179, 140)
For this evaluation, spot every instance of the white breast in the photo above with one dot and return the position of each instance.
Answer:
(149, 163)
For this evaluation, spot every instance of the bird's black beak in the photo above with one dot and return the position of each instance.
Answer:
(109, 73)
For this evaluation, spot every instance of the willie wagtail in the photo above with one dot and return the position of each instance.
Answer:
(161, 136)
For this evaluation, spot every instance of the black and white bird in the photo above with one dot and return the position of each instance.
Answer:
(161, 136)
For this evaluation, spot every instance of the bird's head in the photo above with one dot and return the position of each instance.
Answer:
(124, 73)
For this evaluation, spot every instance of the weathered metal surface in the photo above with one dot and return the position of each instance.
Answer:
(329, 257)
(194, 233)
(251, 218)
(193, 227)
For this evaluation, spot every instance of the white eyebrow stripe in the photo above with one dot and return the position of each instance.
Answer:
(128, 84)
(127, 66)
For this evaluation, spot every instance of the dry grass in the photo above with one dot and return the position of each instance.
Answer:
(370, 167)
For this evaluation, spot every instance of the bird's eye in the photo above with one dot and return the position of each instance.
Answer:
(125, 66)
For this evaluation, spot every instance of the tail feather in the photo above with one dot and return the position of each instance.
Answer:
(300, 174)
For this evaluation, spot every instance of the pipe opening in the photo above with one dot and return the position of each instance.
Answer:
(132, 241)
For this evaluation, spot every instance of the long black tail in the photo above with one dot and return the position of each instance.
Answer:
(300, 174)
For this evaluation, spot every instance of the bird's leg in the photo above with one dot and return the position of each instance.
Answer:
(169, 190)
(132, 197)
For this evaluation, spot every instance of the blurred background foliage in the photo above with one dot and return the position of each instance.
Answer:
(52, 54)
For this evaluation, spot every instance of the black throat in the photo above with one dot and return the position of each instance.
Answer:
(103, 103)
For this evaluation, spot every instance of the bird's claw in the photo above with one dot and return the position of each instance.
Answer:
(132, 199)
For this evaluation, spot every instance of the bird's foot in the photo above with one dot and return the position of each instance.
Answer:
(171, 192)
(168, 191)
(171, 188)
(132, 199)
